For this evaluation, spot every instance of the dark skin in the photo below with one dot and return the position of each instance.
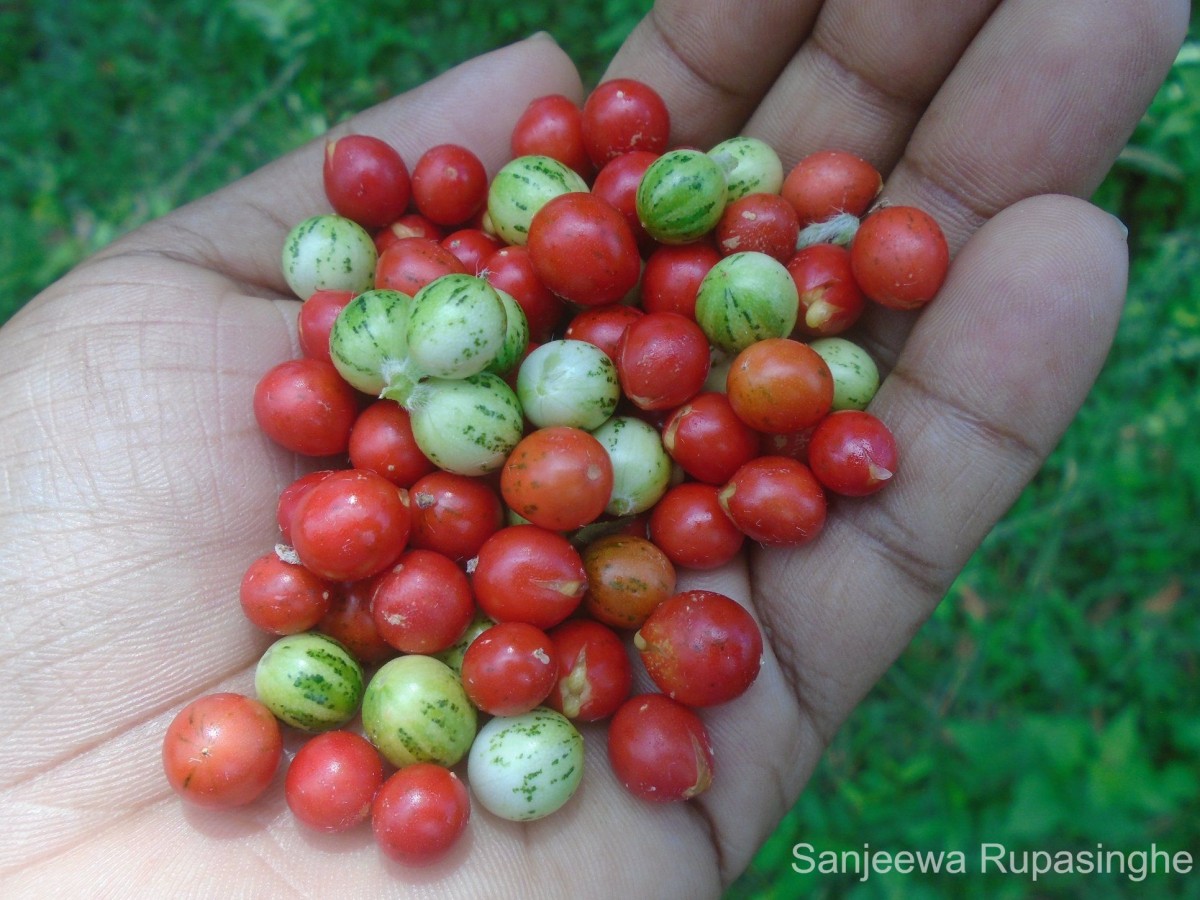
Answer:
(137, 487)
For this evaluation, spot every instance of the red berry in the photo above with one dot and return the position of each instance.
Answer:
(899, 257)
(659, 749)
(351, 525)
(701, 648)
(365, 180)
(305, 406)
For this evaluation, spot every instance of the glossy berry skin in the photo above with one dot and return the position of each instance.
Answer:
(830, 299)
(332, 780)
(628, 577)
(511, 270)
(602, 326)
(509, 669)
(281, 597)
(351, 623)
(621, 115)
(829, 182)
(351, 525)
(672, 276)
(366, 180)
(618, 182)
(315, 321)
(222, 750)
(659, 749)
(285, 509)
(775, 500)
(472, 246)
(692, 528)
(449, 184)
(524, 573)
(899, 257)
(411, 263)
(779, 386)
(662, 360)
(553, 126)
(411, 224)
(594, 672)
(707, 439)
(382, 441)
(559, 477)
(304, 406)
(454, 514)
(766, 223)
(583, 249)
(701, 648)
(853, 453)
(422, 603)
(419, 813)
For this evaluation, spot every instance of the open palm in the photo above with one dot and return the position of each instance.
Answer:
(136, 486)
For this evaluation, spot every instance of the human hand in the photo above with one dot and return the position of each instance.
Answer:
(137, 486)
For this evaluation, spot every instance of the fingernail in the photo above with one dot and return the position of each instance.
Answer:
(1124, 228)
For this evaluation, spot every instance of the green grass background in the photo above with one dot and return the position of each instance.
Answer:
(1051, 701)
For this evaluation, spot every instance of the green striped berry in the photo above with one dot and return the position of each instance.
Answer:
(466, 425)
(368, 343)
(416, 710)
(744, 298)
(310, 681)
(855, 375)
(328, 252)
(641, 466)
(522, 187)
(568, 382)
(456, 327)
(751, 166)
(516, 336)
(525, 767)
(681, 196)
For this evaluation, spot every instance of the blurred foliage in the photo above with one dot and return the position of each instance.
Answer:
(116, 113)
(1050, 702)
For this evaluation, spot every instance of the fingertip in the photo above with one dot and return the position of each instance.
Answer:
(1024, 321)
(1067, 233)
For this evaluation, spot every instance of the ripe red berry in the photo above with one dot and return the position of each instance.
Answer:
(899, 257)
(366, 180)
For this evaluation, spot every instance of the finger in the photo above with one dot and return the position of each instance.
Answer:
(989, 380)
(713, 60)
(864, 77)
(240, 230)
(1042, 102)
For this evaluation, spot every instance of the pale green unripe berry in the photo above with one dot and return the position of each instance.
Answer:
(751, 166)
(522, 187)
(466, 425)
(568, 382)
(367, 343)
(416, 710)
(641, 466)
(456, 327)
(855, 375)
(526, 767)
(328, 253)
(310, 681)
(746, 297)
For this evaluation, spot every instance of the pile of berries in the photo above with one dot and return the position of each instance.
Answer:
(531, 400)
